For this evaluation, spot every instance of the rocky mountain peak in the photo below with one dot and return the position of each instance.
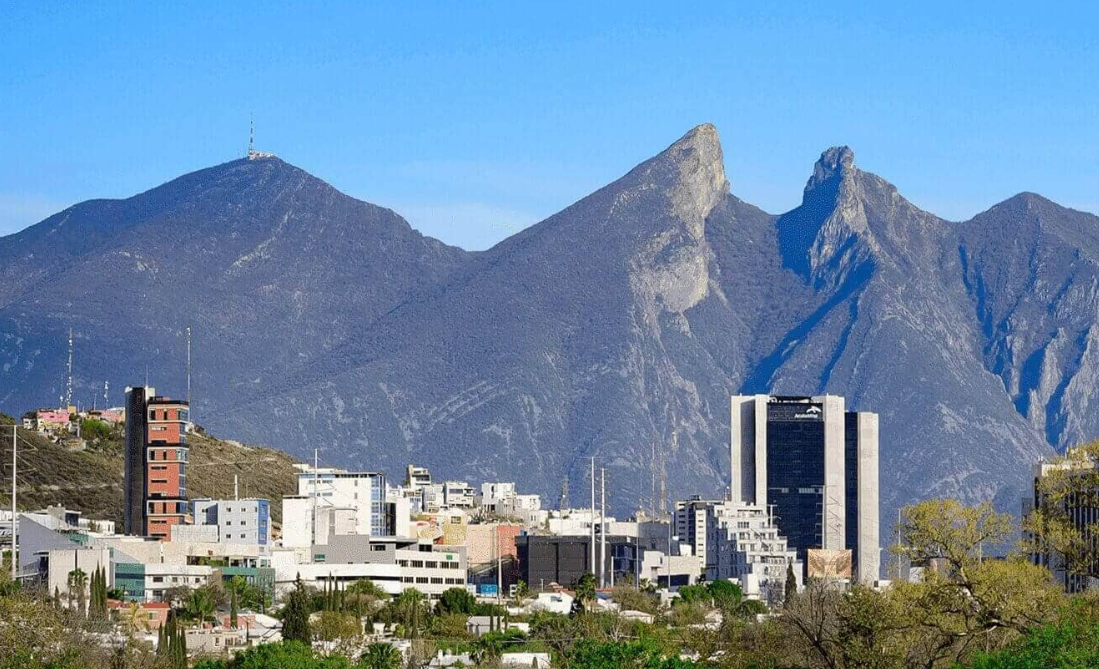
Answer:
(692, 172)
(836, 162)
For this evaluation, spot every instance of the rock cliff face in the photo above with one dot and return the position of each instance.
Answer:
(616, 328)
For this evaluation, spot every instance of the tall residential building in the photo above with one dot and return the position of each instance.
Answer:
(155, 493)
(816, 464)
(690, 521)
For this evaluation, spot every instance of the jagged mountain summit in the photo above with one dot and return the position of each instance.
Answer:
(616, 328)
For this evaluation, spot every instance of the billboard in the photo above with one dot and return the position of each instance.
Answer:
(829, 564)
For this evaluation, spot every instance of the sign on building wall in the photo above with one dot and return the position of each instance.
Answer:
(829, 564)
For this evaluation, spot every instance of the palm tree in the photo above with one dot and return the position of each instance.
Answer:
(585, 590)
(200, 606)
(488, 648)
(78, 581)
(134, 620)
(380, 656)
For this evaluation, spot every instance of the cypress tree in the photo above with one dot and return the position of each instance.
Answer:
(791, 585)
(295, 615)
(180, 656)
(233, 607)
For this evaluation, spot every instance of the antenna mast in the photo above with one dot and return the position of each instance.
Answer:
(188, 367)
(251, 135)
(664, 474)
(69, 382)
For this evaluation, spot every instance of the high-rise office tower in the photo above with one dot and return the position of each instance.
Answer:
(156, 463)
(817, 465)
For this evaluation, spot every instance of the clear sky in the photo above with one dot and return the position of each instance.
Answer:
(474, 120)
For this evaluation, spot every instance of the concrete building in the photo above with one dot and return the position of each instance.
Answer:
(337, 498)
(689, 518)
(1082, 514)
(544, 560)
(48, 560)
(155, 487)
(744, 544)
(817, 465)
(392, 563)
(417, 477)
(236, 520)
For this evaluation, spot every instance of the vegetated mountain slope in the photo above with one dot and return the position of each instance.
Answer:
(90, 481)
(268, 265)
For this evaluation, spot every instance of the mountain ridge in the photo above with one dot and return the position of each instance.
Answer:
(619, 326)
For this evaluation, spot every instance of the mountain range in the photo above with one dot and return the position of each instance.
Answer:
(615, 329)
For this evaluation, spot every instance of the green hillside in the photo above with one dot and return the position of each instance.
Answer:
(91, 480)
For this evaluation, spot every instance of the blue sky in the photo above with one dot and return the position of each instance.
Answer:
(475, 120)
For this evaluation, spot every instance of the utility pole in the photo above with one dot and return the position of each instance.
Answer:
(602, 527)
(592, 552)
(69, 382)
(315, 493)
(236, 490)
(14, 512)
(499, 569)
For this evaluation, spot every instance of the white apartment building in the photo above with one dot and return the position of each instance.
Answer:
(236, 520)
(437, 497)
(160, 577)
(493, 493)
(690, 517)
(392, 563)
(417, 477)
(324, 489)
(743, 544)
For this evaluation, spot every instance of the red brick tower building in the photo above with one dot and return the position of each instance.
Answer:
(165, 467)
(156, 463)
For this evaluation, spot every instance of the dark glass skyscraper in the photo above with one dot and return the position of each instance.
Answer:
(816, 466)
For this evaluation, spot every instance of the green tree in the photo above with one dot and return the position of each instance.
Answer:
(456, 600)
(791, 585)
(99, 594)
(1056, 527)
(200, 606)
(380, 656)
(1070, 643)
(286, 655)
(642, 653)
(78, 583)
(337, 626)
(411, 610)
(725, 595)
(233, 604)
(630, 598)
(295, 615)
(585, 591)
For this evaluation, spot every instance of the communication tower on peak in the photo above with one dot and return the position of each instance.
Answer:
(252, 153)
